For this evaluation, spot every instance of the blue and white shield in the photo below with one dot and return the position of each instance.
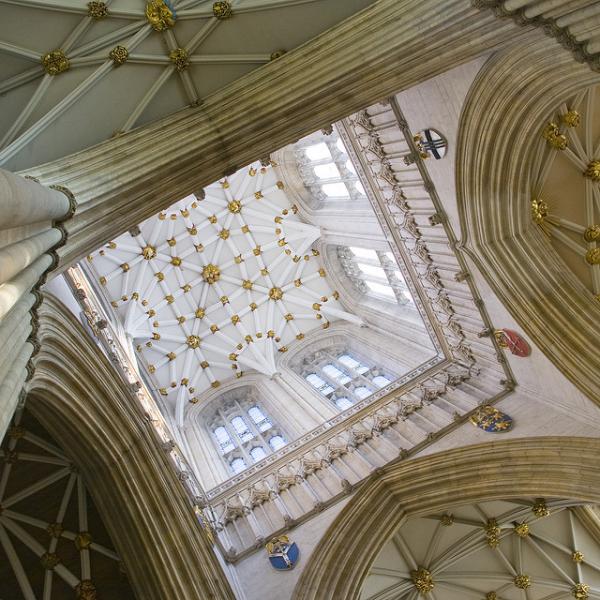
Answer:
(283, 554)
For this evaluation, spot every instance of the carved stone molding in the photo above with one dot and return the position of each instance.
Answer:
(499, 137)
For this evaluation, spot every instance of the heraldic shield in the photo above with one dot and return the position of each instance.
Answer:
(491, 419)
(283, 554)
(511, 340)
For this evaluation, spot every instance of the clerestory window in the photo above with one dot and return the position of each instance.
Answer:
(327, 170)
(244, 434)
(343, 378)
(375, 273)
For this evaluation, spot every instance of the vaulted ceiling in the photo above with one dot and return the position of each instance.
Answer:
(120, 69)
(525, 549)
(222, 282)
(53, 543)
(566, 196)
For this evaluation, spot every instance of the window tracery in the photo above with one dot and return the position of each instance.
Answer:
(243, 433)
(342, 377)
(327, 170)
(375, 273)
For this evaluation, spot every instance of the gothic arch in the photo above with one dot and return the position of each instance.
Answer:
(500, 135)
(536, 467)
(101, 426)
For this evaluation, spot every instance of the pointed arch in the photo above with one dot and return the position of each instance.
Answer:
(102, 428)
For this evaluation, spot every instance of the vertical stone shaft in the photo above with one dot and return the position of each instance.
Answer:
(30, 231)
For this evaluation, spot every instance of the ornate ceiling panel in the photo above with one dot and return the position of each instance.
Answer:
(74, 73)
(518, 550)
(53, 544)
(221, 283)
(566, 199)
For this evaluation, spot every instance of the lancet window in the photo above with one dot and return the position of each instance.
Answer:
(375, 273)
(327, 170)
(243, 433)
(343, 378)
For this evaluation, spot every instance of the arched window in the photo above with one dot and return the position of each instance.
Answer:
(381, 381)
(327, 170)
(343, 403)
(243, 432)
(237, 465)
(241, 429)
(257, 453)
(319, 383)
(259, 418)
(342, 377)
(276, 442)
(223, 439)
(375, 273)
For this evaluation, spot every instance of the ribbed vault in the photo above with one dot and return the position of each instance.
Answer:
(528, 468)
(75, 73)
(533, 548)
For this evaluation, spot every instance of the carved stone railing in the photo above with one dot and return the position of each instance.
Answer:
(413, 219)
(330, 462)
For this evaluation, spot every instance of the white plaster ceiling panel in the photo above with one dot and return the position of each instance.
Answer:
(219, 285)
(95, 98)
(520, 550)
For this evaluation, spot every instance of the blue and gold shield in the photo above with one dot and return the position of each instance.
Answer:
(283, 554)
(492, 420)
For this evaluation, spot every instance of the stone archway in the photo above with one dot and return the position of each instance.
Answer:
(534, 467)
(500, 137)
(80, 399)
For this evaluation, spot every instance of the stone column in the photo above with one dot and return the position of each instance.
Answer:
(389, 46)
(31, 229)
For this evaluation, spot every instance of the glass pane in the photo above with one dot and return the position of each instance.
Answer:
(276, 442)
(257, 453)
(241, 429)
(318, 152)
(350, 166)
(318, 383)
(237, 465)
(347, 360)
(362, 392)
(364, 253)
(335, 190)
(381, 381)
(380, 288)
(262, 421)
(340, 146)
(343, 403)
(391, 256)
(223, 439)
(333, 372)
(328, 171)
(373, 271)
(256, 414)
(359, 188)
